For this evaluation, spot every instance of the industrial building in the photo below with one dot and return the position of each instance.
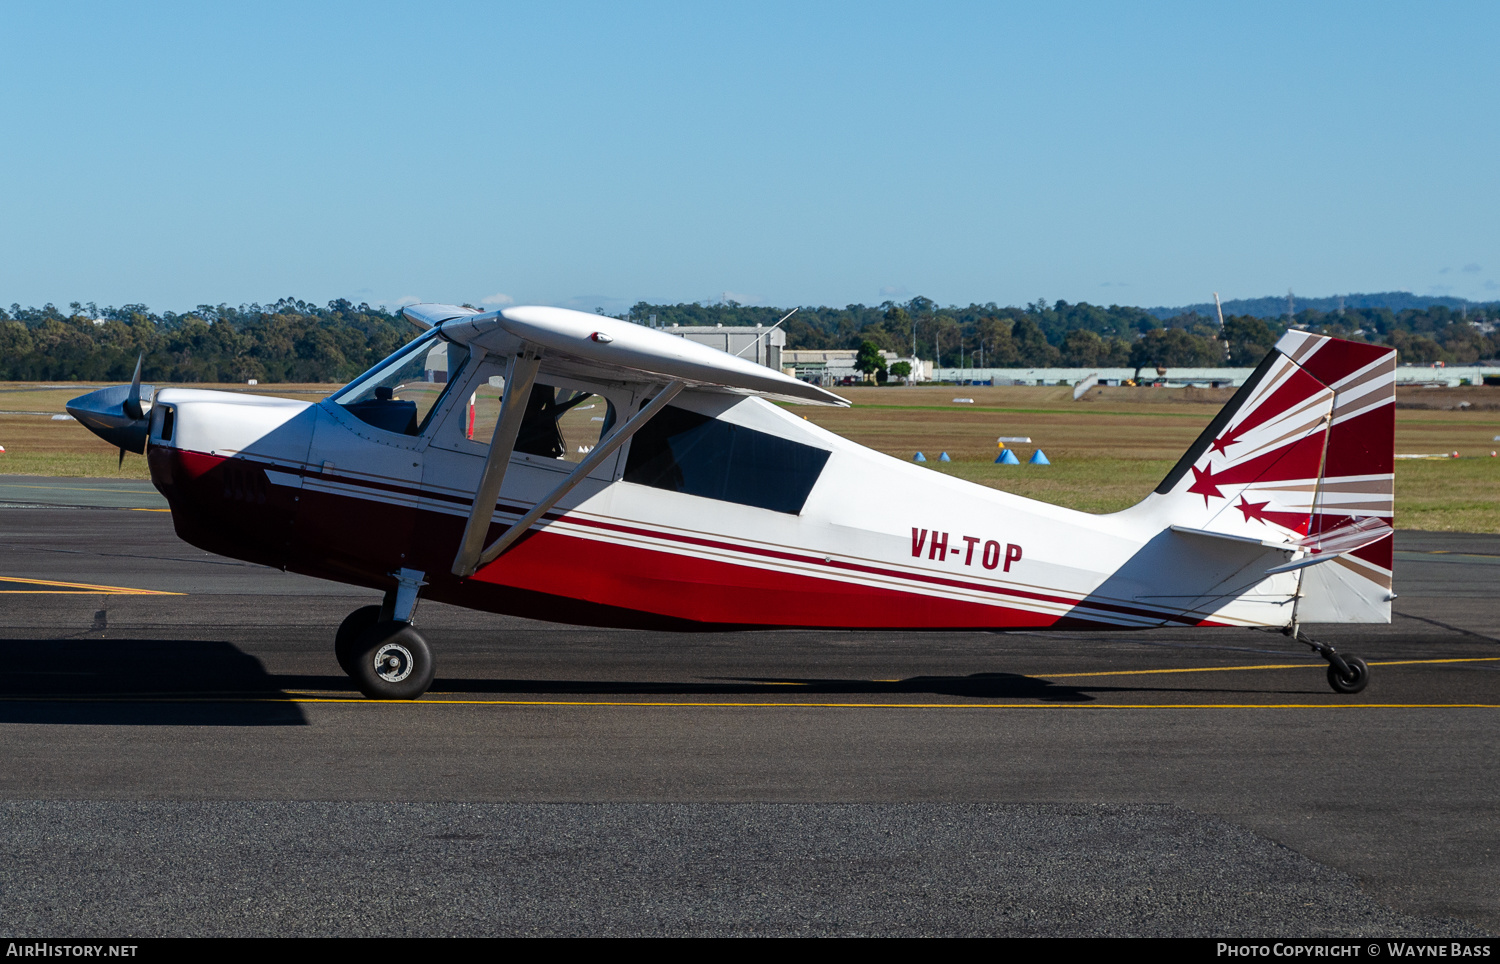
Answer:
(835, 366)
(767, 346)
(759, 344)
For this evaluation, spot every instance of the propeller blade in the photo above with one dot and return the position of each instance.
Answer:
(132, 404)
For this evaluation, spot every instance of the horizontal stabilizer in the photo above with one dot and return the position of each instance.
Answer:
(1348, 537)
(1330, 545)
(1210, 534)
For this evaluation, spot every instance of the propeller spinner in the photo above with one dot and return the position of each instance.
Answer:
(118, 414)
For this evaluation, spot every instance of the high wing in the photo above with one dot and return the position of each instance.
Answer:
(428, 316)
(594, 346)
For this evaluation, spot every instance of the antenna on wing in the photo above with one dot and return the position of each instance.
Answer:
(766, 332)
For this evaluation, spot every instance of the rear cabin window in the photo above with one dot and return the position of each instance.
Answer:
(682, 451)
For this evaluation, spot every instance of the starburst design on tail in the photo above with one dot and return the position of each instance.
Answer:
(1253, 510)
(1205, 484)
(1222, 443)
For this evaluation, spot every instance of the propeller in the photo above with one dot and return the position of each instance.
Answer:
(118, 414)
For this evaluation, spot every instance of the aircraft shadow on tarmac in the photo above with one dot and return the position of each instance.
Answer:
(138, 682)
(144, 682)
(978, 685)
(989, 686)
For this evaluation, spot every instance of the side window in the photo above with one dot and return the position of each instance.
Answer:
(683, 451)
(560, 423)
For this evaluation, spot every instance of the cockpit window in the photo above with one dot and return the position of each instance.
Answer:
(559, 423)
(401, 393)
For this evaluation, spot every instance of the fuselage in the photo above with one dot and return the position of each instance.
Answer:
(874, 542)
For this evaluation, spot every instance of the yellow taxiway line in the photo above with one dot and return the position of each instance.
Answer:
(76, 588)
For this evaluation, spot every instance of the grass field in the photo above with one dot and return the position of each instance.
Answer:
(35, 444)
(1107, 450)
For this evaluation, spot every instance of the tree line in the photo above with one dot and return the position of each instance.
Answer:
(1060, 334)
(288, 341)
(293, 340)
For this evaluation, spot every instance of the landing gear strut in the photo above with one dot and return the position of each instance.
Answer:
(1346, 674)
(379, 649)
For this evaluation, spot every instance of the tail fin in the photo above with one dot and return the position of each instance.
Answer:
(1304, 448)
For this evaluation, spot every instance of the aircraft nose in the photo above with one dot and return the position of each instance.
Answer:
(116, 414)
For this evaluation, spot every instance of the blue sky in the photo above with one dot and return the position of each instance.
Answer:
(600, 154)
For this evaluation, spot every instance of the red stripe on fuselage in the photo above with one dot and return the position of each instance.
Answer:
(821, 561)
(712, 591)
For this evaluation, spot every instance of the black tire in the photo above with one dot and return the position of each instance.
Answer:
(392, 662)
(347, 637)
(1359, 676)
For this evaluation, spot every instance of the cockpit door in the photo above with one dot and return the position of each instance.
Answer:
(361, 497)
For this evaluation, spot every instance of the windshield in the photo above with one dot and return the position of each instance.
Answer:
(400, 394)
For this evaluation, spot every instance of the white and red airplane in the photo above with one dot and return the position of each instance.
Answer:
(467, 468)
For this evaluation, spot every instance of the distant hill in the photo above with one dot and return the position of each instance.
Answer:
(1275, 307)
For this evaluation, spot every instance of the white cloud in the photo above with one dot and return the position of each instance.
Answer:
(408, 300)
(609, 304)
(894, 292)
(497, 299)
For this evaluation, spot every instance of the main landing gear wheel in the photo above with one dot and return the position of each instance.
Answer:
(392, 662)
(347, 637)
(1359, 675)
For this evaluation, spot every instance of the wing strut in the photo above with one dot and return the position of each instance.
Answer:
(602, 451)
(520, 372)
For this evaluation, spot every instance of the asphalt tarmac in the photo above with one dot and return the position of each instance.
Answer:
(195, 763)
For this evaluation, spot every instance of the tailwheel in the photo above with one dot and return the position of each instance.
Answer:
(392, 662)
(1346, 674)
(1354, 681)
(347, 637)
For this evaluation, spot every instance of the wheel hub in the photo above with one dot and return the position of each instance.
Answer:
(393, 662)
